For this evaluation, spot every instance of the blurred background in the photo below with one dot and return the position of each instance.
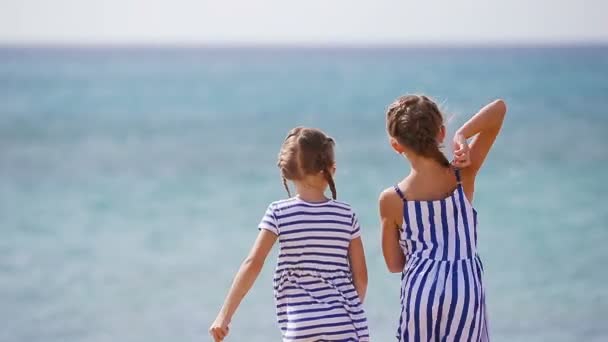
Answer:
(138, 143)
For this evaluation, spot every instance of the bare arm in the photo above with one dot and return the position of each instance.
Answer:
(391, 211)
(484, 127)
(358, 267)
(242, 283)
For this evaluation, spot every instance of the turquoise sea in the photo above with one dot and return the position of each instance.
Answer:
(132, 181)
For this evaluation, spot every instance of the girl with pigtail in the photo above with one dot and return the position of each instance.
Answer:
(321, 275)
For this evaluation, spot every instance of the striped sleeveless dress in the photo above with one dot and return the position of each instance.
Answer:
(442, 291)
(314, 293)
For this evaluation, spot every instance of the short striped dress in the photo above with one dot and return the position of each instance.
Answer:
(442, 291)
(314, 293)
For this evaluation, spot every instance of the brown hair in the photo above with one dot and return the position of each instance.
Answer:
(415, 121)
(307, 151)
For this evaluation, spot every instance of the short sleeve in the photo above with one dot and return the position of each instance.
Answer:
(356, 228)
(269, 221)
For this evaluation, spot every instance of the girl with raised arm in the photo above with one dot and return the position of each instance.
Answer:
(429, 225)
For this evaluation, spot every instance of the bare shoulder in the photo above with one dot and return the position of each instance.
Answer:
(388, 195)
(389, 201)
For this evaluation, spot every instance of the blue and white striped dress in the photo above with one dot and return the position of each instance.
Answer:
(442, 292)
(314, 293)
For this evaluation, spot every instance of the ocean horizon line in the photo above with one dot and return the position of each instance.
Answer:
(300, 46)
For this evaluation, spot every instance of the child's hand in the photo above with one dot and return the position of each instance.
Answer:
(461, 152)
(219, 329)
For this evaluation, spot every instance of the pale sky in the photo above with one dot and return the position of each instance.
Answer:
(303, 21)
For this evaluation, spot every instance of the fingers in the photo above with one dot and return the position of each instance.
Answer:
(214, 335)
(461, 164)
(218, 333)
(461, 147)
(462, 155)
(462, 161)
(461, 152)
(461, 158)
(218, 336)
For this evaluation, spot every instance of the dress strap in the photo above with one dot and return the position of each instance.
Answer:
(400, 193)
(457, 173)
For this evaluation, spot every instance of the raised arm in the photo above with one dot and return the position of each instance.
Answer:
(483, 127)
(242, 283)
(391, 218)
(356, 257)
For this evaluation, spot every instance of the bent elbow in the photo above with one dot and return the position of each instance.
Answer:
(501, 106)
(394, 260)
(395, 267)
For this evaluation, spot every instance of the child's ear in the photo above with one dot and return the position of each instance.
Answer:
(396, 146)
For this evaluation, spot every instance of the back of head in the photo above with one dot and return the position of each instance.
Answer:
(415, 122)
(307, 151)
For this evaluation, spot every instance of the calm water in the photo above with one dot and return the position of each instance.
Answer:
(132, 181)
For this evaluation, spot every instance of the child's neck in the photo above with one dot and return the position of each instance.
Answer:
(310, 193)
(426, 166)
